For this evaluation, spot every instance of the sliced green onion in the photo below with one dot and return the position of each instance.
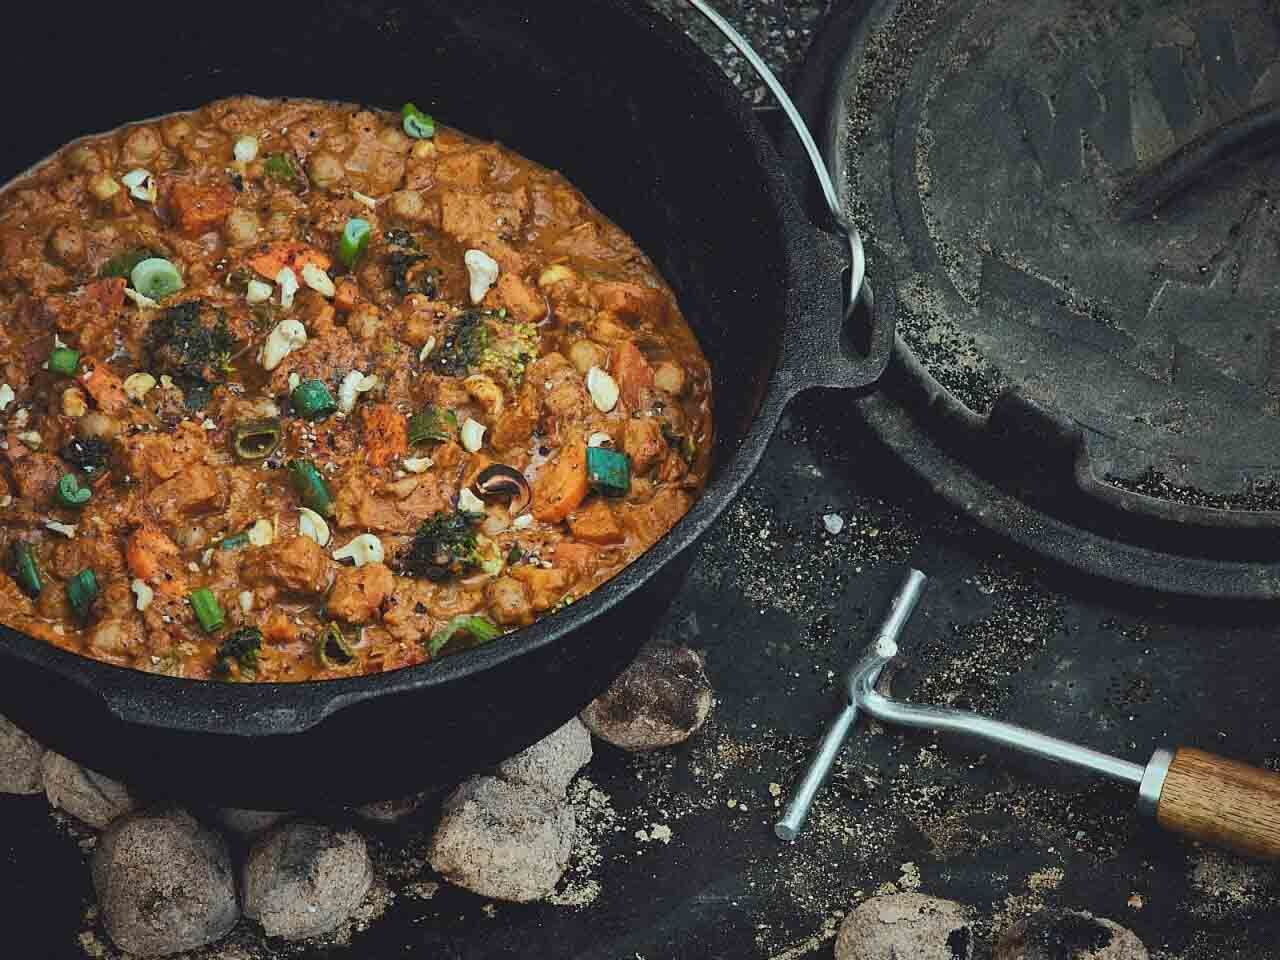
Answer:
(234, 542)
(122, 264)
(156, 278)
(432, 425)
(332, 649)
(311, 486)
(608, 471)
(28, 574)
(255, 439)
(355, 239)
(82, 590)
(417, 124)
(482, 630)
(64, 360)
(207, 609)
(312, 399)
(70, 493)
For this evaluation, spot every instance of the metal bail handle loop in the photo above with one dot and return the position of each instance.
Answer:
(857, 257)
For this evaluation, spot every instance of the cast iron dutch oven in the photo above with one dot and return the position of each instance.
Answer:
(605, 91)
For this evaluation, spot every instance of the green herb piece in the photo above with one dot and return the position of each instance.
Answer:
(26, 572)
(255, 439)
(354, 242)
(70, 493)
(417, 124)
(279, 166)
(156, 278)
(64, 360)
(239, 649)
(207, 609)
(122, 264)
(310, 486)
(515, 555)
(481, 630)
(432, 425)
(234, 542)
(82, 590)
(312, 399)
(608, 471)
(332, 648)
(444, 546)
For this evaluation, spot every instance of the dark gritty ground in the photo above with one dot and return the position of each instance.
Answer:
(676, 856)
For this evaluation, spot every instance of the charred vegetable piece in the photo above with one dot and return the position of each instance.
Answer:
(25, 570)
(240, 649)
(190, 341)
(70, 493)
(311, 487)
(255, 439)
(82, 591)
(481, 630)
(608, 471)
(444, 546)
(417, 124)
(64, 360)
(464, 345)
(312, 399)
(410, 274)
(502, 481)
(89, 455)
(332, 649)
(432, 425)
(354, 242)
(207, 609)
(122, 264)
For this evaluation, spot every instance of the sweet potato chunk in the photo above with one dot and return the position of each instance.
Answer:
(562, 484)
(386, 434)
(199, 208)
(546, 587)
(197, 489)
(104, 386)
(274, 257)
(156, 560)
(595, 523)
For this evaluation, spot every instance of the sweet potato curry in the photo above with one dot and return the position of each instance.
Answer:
(297, 390)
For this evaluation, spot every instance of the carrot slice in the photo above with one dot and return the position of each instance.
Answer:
(274, 257)
(562, 485)
(104, 386)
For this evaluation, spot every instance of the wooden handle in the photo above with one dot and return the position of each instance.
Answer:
(1222, 802)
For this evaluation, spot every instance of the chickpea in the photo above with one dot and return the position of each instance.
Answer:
(66, 245)
(104, 186)
(84, 158)
(423, 150)
(586, 355)
(669, 378)
(95, 424)
(485, 392)
(142, 145)
(279, 225)
(364, 321)
(325, 170)
(241, 227)
(393, 139)
(175, 130)
(73, 403)
(407, 205)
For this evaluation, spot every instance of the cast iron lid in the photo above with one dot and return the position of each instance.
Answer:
(1071, 209)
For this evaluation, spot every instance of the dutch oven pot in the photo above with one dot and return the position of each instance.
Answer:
(633, 114)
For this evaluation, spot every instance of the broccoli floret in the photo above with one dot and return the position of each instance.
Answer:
(241, 649)
(88, 455)
(190, 342)
(508, 355)
(465, 344)
(446, 545)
